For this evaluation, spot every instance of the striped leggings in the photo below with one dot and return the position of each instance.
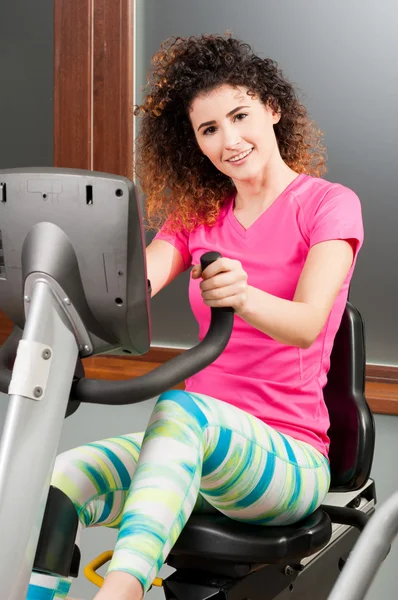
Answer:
(197, 453)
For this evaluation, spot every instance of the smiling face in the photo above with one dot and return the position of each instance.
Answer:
(236, 132)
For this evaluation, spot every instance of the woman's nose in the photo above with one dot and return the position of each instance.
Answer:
(231, 138)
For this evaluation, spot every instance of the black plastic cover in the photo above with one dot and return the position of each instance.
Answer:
(56, 552)
(352, 428)
(83, 229)
(220, 538)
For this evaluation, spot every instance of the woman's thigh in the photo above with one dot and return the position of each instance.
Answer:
(251, 472)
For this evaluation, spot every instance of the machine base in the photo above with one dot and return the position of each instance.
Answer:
(312, 579)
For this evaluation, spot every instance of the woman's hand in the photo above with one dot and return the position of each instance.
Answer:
(224, 284)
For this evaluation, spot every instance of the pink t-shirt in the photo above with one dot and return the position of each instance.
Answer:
(280, 384)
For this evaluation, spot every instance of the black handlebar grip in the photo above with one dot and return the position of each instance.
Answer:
(208, 258)
(167, 375)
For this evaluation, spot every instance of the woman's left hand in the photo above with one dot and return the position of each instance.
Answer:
(224, 284)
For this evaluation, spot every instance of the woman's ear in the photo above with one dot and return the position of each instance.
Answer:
(274, 111)
(276, 116)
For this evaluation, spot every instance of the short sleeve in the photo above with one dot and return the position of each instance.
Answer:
(337, 216)
(179, 239)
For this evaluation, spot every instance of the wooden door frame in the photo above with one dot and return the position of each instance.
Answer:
(93, 85)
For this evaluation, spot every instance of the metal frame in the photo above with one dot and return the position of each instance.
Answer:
(368, 555)
(38, 400)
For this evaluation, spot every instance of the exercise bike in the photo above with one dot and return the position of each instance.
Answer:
(73, 281)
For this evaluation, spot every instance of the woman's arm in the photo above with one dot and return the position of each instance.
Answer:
(296, 322)
(163, 262)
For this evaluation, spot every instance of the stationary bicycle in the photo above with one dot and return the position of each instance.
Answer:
(73, 281)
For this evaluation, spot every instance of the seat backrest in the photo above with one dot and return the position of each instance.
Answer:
(352, 429)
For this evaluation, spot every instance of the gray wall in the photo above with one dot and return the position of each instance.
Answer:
(335, 52)
(343, 57)
(26, 83)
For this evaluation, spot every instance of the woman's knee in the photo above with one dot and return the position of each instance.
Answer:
(97, 468)
(180, 402)
(70, 474)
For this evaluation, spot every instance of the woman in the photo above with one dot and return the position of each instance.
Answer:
(229, 161)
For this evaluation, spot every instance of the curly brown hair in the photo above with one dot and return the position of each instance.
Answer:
(181, 185)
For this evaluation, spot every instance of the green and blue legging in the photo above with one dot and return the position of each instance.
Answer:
(197, 453)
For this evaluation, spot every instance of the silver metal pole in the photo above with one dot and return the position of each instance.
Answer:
(368, 554)
(39, 391)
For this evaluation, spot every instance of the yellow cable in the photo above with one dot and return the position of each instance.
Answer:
(97, 563)
(91, 568)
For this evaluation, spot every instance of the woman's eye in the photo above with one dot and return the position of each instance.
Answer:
(240, 116)
(209, 130)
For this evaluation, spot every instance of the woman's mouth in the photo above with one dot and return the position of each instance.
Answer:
(238, 159)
